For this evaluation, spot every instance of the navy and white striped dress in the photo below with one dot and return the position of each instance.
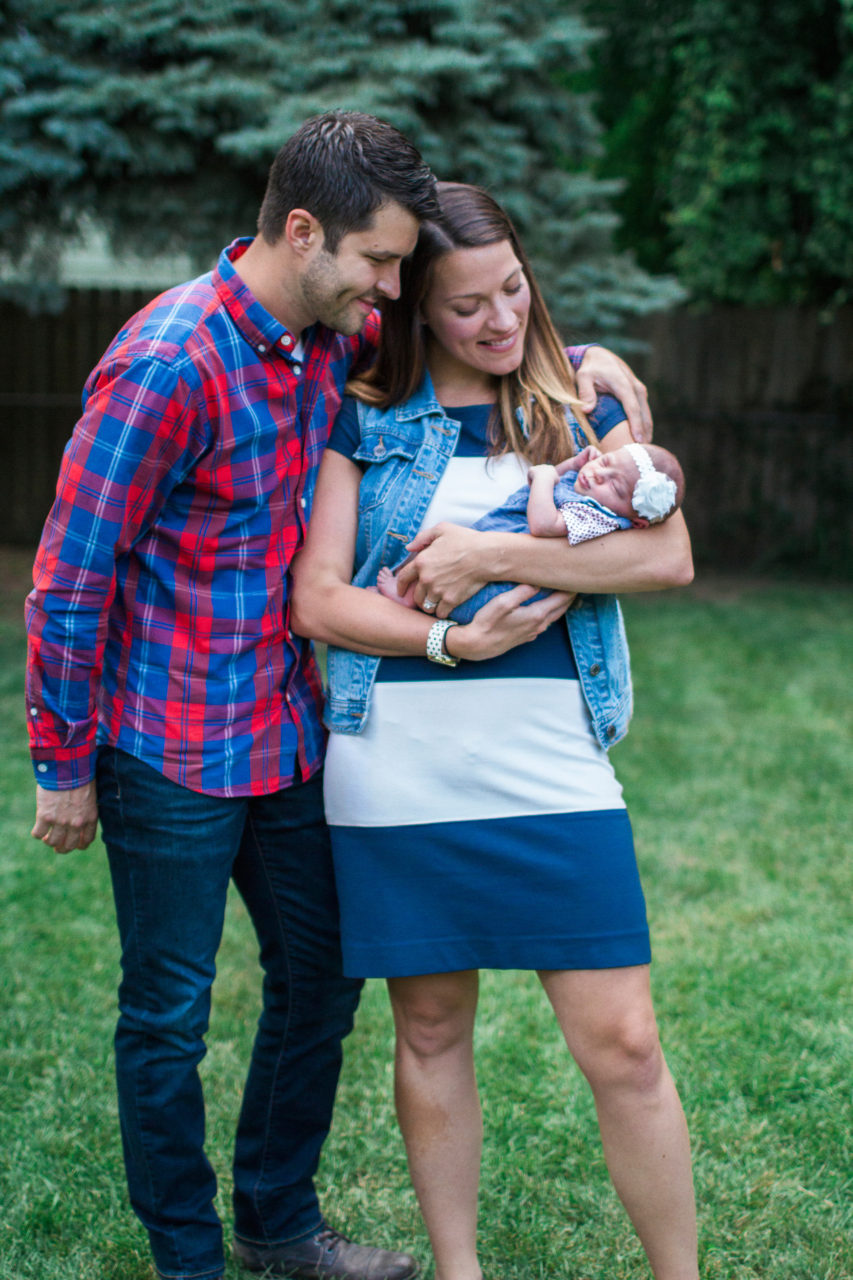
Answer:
(476, 822)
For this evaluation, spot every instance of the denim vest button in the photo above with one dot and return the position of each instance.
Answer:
(595, 669)
(611, 731)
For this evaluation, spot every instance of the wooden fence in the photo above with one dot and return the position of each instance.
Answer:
(44, 361)
(758, 405)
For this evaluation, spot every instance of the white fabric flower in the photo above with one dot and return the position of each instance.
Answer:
(654, 493)
(654, 496)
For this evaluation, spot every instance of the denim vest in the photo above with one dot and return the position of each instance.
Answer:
(404, 451)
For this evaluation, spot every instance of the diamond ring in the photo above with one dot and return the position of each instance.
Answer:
(429, 605)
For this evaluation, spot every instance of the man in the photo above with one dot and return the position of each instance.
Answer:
(168, 697)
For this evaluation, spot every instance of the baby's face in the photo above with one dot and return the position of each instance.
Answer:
(610, 479)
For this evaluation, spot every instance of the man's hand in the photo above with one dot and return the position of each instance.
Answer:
(601, 370)
(66, 820)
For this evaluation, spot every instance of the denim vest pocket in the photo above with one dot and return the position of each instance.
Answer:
(386, 460)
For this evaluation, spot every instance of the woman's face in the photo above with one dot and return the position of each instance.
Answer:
(476, 312)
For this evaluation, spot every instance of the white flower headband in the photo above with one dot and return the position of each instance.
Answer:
(654, 492)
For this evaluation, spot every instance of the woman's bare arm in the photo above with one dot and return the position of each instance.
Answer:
(326, 607)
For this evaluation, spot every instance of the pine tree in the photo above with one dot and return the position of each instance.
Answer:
(159, 118)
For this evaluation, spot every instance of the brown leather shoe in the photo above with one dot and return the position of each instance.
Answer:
(327, 1255)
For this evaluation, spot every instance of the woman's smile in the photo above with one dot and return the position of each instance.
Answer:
(500, 344)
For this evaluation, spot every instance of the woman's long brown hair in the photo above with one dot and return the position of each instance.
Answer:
(543, 384)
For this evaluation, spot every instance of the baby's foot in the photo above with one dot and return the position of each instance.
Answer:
(386, 585)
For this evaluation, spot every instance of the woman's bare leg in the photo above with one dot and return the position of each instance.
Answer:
(439, 1111)
(607, 1019)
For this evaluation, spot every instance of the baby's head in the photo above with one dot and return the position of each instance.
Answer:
(642, 482)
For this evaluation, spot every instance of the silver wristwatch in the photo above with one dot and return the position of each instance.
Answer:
(435, 648)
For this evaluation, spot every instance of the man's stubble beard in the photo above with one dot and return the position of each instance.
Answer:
(323, 297)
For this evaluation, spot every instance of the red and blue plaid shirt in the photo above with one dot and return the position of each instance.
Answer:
(159, 618)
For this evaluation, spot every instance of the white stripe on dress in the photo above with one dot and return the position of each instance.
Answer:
(489, 748)
(472, 486)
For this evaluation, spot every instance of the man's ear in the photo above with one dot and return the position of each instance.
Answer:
(640, 522)
(302, 231)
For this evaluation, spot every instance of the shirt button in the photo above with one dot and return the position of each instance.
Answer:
(34, 711)
(297, 368)
(42, 768)
(302, 503)
(287, 341)
(595, 669)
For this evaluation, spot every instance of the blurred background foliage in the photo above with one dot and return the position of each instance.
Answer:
(632, 140)
(681, 171)
(731, 122)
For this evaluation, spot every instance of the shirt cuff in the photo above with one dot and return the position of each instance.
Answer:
(63, 774)
(576, 354)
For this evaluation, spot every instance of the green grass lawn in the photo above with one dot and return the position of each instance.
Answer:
(738, 776)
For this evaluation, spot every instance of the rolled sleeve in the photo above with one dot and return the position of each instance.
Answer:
(138, 434)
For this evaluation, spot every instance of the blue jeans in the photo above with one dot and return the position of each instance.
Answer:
(172, 853)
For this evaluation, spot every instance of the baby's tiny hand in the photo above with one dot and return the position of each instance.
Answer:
(540, 469)
(579, 460)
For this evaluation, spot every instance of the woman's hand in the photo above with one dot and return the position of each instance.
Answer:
(506, 621)
(447, 564)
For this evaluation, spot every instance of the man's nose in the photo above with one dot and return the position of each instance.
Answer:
(388, 283)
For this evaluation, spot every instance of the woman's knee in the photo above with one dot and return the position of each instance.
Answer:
(433, 1019)
(625, 1051)
(609, 1024)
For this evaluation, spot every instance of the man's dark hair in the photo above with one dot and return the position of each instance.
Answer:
(341, 167)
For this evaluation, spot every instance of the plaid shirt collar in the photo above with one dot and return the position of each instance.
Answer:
(261, 329)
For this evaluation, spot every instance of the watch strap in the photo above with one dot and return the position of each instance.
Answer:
(435, 647)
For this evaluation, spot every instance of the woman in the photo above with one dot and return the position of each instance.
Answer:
(476, 820)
